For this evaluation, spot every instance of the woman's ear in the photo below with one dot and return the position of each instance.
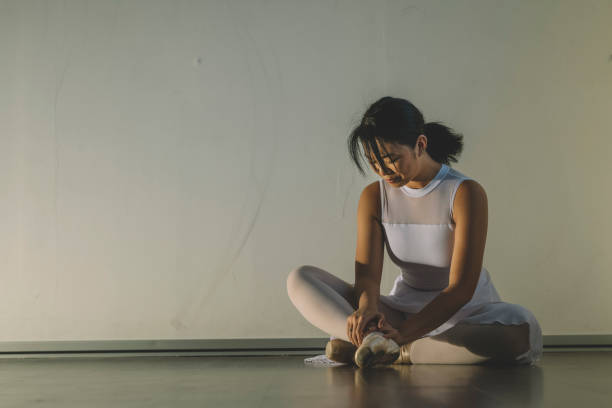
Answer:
(422, 148)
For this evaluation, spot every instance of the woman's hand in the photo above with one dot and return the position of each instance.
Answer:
(391, 332)
(357, 322)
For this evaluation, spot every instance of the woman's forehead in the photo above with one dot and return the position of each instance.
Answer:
(386, 148)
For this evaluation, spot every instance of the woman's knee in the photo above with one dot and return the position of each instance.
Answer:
(296, 276)
(303, 274)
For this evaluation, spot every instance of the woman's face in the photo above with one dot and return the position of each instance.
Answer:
(399, 161)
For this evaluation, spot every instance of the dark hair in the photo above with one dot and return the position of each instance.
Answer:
(396, 120)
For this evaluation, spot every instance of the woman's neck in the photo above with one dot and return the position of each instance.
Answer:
(429, 170)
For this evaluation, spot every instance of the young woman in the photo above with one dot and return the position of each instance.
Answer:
(443, 307)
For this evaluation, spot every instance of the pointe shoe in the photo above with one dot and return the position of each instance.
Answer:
(404, 356)
(376, 349)
(340, 351)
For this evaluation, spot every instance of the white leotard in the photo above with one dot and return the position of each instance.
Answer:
(419, 237)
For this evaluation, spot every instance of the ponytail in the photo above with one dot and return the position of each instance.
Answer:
(443, 145)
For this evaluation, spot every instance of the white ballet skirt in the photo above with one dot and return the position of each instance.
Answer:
(485, 307)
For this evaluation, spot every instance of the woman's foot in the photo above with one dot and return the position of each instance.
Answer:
(404, 355)
(376, 349)
(340, 351)
(343, 351)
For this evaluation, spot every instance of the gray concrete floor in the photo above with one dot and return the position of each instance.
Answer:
(559, 379)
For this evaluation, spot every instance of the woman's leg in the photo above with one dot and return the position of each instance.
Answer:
(472, 344)
(498, 332)
(327, 301)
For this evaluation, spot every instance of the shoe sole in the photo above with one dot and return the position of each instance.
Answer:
(367, 358)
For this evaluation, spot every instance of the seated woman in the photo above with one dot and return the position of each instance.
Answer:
(443, 307)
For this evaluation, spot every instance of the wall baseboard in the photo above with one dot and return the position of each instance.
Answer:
(232, 347)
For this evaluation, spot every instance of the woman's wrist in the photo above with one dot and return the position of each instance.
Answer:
(368, 293)
(406, 332)
(368, 306)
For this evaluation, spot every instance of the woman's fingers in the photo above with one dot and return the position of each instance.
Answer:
(361, 328)
(349, 331)
(352, 333)
(361, 323)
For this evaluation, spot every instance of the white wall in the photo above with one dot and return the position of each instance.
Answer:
(165, 164)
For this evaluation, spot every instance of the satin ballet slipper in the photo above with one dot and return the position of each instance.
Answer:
(340, 351)
(376, 349)
(404, 356)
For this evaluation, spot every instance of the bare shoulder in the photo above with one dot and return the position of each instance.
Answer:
(472, 186)
(373, 190)
(370, 199)
(470, 197)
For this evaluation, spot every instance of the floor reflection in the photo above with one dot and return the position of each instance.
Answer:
(439, 385)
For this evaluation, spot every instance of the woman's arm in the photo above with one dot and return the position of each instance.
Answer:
(436, 312)
(369, 252)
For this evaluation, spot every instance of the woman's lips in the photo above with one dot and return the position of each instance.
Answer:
(392, 180)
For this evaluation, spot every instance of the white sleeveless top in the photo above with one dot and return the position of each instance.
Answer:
(419, 237)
